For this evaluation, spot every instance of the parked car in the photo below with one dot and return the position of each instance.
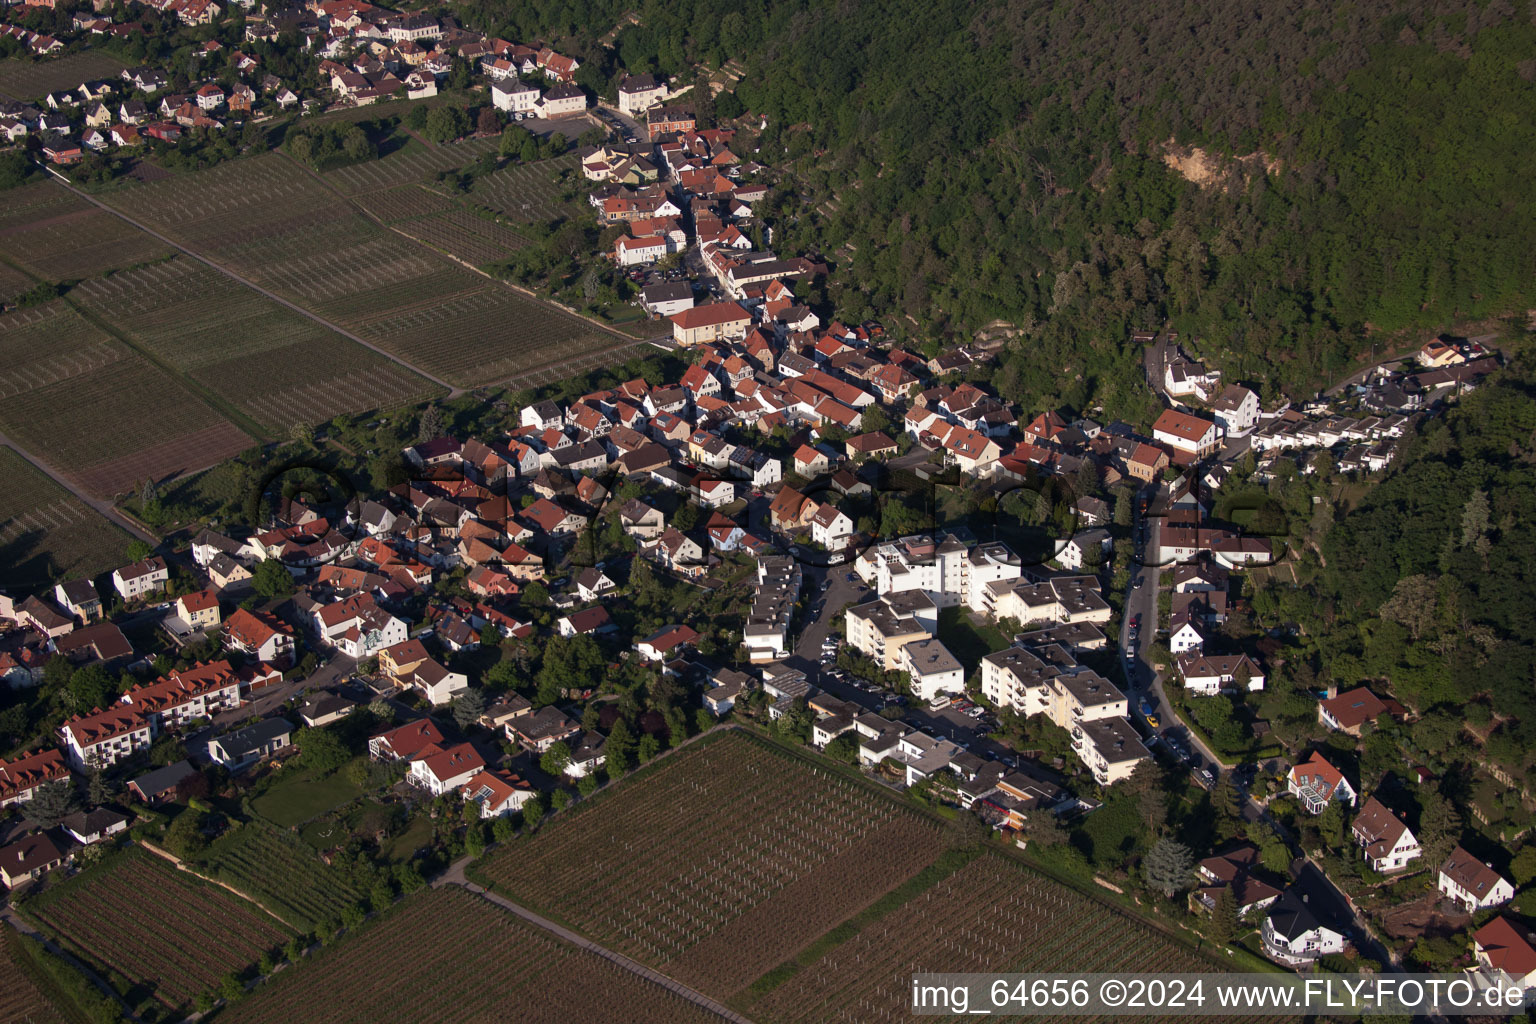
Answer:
(1152, 721)
(1206, 777)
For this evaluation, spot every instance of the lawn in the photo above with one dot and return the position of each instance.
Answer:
(298, 796)
(968, 641)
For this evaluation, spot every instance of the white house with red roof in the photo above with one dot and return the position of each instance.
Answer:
(405, 741)
(498, 793)
(358, 627)
(666, 642)
(186, 694)
(1316, 783)
(20, 778)
(1500, 945)
(1189, 438)
(260, 635)
(440, 771)
(105, 736)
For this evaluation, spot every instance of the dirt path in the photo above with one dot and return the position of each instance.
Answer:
(453, 391)
(455, 876)
(16, 921)
(104, 507)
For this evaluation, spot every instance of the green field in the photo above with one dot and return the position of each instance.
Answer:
(24, 79)
(48, 534)
(452, 958)
(163, 933)
(296, 797)
(414, 161)
(280, 872)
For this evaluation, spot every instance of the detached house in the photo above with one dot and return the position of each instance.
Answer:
(79, 598)
(405, 741)
(141, 578)
(1471, 883)
(1295, 933)
(259, 635)
(1315, 784)
(29, 859)
(498, 793)
(1500, 945)
(1350, 711)
(1385, 838)
(440, 771)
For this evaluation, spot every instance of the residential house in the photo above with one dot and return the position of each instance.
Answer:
(593, 583)
(79, 598)
(1502, 946)
(1209, 674)
(141, 578)
(438, 770)
(1110, 747)
(91, 827)
(588, 621)
(498, 793)
(932, 669)
(1234, 870)
(715, 321)
(163, 784)
(1472, 883)
(1236, 410)
(436, 683)
(29, 859)
(244, 747)
(1350, 711)
(19, 778)
(405, 741)
(542, 729)
(260, 635)
(1315, 784)
(666, 642)
(1296, 933)
(1388, 843)
(639, 93)
(1188, 438)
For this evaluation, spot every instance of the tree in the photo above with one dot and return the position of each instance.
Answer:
(1044, 827)
(1223, 926)
(416, 120)
(1168, 866)
(321, 751)
(648, 747)
(586, 785)
(1439, 827)
(430, 426)
(1474, 519)
(619, 750)
(231, 988)
(559, 800)
(489, 120)
(1412, 604)
(444, 124)
(271, 579)
(89, 688)
(533, 813)
(51, 803)
(185, 836)
(1523, 867)
(138, 550)
(1275, 856)
(556, 759)
(468, 707)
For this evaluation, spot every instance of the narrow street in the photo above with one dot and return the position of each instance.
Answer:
(104, 507)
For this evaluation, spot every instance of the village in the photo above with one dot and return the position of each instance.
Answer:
(857, 547)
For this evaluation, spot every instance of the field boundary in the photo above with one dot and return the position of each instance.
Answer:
(516, 289)
(571, 937)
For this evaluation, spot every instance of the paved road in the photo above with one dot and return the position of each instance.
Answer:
(455, 876)
(104, 507)
(453, 392)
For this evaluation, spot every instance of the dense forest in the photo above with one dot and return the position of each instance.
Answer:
(962, 163)
(1426, 583)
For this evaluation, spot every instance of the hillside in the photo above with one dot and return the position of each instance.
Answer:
(963, 163)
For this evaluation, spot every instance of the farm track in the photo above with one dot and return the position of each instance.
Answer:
(453, 391)
(104, 507)
(455, 876)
